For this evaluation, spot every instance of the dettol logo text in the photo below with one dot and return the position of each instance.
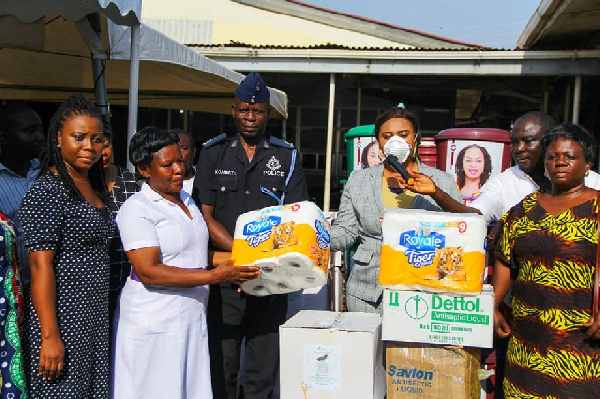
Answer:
(461, 304)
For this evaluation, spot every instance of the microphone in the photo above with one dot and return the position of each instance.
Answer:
(398, 167)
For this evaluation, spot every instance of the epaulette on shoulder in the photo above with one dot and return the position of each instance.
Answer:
(215, 140)
(280, 143)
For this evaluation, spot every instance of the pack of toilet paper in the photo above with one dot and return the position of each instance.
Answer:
(432, 251)
(290, 244)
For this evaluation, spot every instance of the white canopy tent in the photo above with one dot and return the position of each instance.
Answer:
(179, 77)
(32, 12)
(45, 56)
(171, 75)
(122, 12)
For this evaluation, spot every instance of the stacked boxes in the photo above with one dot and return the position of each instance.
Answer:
(435, 304)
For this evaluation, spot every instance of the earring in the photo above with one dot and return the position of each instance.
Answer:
(545, 175)
(587, 173)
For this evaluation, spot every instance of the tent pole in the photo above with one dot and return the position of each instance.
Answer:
(98, 65)
(327, 192)
(297, 139)
(336, 272)
(576, 99)
(358, 103)
(567, 103)
(134, 70)
(338, 134)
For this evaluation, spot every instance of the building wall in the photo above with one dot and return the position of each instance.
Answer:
(232, 22)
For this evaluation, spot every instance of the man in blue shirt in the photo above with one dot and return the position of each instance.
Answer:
(21, 140)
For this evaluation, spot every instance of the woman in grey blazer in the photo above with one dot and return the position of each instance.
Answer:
(366, 194)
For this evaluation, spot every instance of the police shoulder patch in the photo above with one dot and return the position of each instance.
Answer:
(215, 140)
(280, 143)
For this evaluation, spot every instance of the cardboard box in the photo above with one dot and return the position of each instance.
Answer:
(446, 319)
(431, 371)
(331, 355)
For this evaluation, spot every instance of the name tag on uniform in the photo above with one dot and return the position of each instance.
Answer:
(221, 172)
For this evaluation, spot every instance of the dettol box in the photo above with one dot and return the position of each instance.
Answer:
(446, 319)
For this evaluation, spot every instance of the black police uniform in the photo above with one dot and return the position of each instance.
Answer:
(226, 180)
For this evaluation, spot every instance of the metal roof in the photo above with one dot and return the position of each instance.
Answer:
(403, 61)
(563, 24)
(334, 46)
(358, 23)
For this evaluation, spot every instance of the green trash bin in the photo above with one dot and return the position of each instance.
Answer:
(358, 140)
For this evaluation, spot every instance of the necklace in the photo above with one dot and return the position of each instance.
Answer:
(79, 179)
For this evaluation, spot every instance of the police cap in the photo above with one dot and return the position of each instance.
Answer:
(253, 89)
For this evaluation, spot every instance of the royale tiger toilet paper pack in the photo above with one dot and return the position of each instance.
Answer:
(432, 251)
(290, 244)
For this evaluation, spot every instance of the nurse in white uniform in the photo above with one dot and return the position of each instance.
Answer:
(161, 348)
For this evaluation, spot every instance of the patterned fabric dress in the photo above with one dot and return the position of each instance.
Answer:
(54, 220)
(12, 372)
(554, 257)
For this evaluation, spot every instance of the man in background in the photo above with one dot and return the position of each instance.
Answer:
(22, 140)
(188, 149)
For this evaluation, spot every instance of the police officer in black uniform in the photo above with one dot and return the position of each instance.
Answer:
(235, 175)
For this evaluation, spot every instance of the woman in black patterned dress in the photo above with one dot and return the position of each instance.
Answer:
(121, 184)
(66, 224)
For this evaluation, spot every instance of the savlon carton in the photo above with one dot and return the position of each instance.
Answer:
(447, 319)
(432, 251)
(289, 243)
(431, 371)
(331, 355)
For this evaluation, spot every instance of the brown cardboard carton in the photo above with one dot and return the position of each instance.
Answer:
(431, 371)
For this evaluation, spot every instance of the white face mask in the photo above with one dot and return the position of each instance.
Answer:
(398, 147)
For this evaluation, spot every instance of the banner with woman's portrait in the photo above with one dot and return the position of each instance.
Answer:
(472, 163)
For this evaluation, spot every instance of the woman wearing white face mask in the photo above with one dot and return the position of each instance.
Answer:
(366, 194)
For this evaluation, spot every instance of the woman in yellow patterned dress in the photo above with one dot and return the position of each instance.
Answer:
(546, 250)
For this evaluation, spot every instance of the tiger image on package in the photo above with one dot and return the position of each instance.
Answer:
(450, 264)
(283, 236)
(289, 243)
(432, 251)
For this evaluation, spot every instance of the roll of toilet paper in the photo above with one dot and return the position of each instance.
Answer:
(269, 268)
(301, 271)
(263, 287)
(289, 272)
